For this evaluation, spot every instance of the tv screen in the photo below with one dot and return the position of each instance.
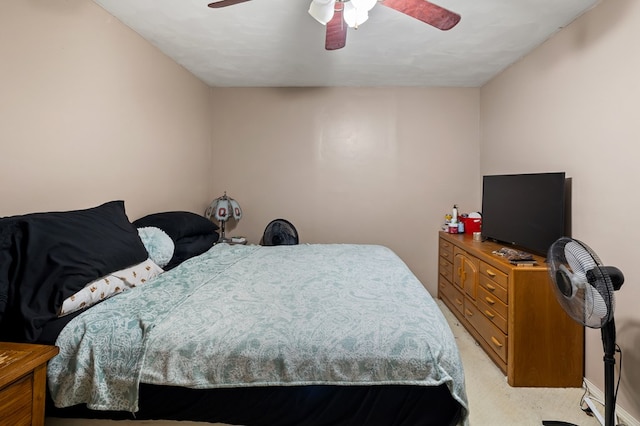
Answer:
(524, 210)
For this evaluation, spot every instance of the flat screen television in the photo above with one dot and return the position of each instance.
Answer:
(526, 211)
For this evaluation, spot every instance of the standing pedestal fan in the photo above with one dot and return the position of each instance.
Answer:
(585, 289)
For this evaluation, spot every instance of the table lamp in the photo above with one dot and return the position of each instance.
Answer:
(222, 209)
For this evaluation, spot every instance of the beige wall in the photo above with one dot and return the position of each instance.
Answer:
(357, 165)
(572, 105)
(90, 112)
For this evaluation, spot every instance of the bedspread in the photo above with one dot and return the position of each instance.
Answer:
(259, 316)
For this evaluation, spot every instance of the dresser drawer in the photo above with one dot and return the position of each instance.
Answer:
(494, 275)
(496, 339)
(15, 402)
(493, 309)
(493, 302)
(445, 250)
(492, 287)
(445, 267)
(452, 294)
(446, 255)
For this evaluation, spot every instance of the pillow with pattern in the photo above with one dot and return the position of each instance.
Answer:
(110, 285)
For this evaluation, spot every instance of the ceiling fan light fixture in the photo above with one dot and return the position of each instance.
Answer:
(354, 16)
(364, 4)
(322, 10)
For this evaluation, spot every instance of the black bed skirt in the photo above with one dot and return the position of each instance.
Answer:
(289, 405)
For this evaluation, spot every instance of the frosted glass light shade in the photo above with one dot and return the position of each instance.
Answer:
(322, 10)
(364, 4)
(354, 16)
(222, 210)
(236, 211)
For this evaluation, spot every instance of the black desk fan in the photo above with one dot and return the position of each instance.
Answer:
(280, 232)
(585, 289)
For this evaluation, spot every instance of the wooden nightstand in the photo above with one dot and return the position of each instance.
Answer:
(23, 378)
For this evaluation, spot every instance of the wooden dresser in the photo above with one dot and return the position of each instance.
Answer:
(512, 312)
(23, 377)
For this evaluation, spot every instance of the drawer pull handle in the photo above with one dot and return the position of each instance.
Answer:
(496, 342)
(490, 287)
(491, 273)
(459, 302)
(489, 314)
(469, 313)
(490, 300)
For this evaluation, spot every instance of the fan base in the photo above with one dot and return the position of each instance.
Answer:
(594, 410)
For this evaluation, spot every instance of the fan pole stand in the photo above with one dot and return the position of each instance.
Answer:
(608, 332)
(609, 344)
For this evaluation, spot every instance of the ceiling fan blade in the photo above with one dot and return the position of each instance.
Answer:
(336, 37)
(225, 3)
(425, 11)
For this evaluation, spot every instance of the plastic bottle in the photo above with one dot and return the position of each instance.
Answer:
(454, 217)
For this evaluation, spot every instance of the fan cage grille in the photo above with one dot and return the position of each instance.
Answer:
(581, 285)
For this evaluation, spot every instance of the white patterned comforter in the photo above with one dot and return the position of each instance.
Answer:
(259, 316)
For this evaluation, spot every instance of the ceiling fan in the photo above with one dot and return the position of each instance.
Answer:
(337, 15)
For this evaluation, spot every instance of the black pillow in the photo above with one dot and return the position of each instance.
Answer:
(187, 247)
(7, 231)
(53, 255)
(178, 224)
(192, 234)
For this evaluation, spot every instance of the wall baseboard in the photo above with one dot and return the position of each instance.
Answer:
(623, 416)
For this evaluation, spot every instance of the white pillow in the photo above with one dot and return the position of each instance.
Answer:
(158, 243)
(110, 285)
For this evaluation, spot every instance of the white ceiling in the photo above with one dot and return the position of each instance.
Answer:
(276, 43)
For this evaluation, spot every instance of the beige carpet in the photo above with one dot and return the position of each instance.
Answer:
(492, 401)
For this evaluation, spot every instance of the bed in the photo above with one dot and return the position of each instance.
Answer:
(310, 334)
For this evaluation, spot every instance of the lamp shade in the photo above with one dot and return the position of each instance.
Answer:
(223, 208)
